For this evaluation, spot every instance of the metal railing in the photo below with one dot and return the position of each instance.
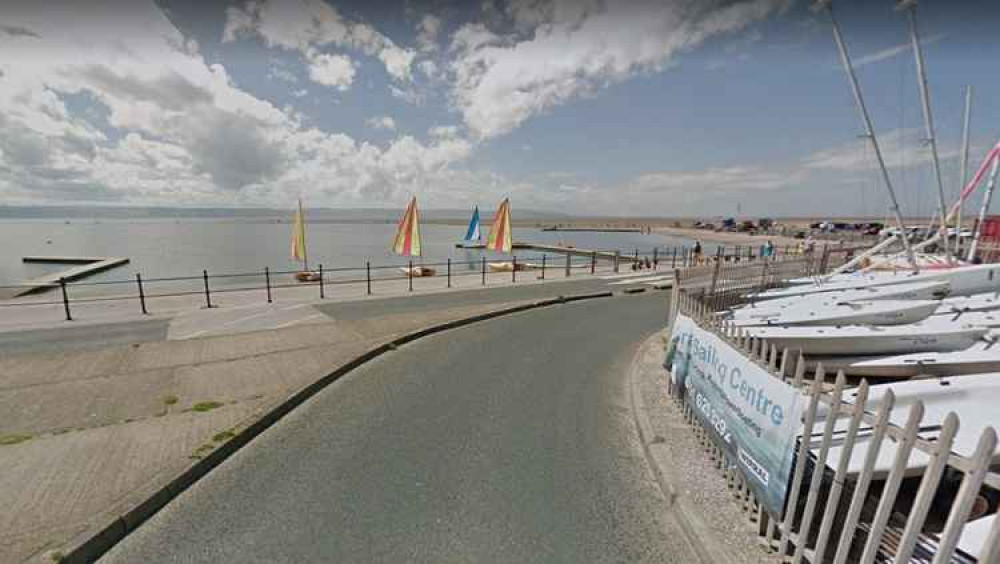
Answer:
(145, 289)
(831, 515)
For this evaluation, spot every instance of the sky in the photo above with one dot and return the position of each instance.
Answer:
(591, 107)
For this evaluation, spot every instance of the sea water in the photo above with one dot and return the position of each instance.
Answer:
(162, 248)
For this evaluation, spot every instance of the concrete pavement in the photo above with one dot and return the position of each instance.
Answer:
(25, 328)
(507, 441)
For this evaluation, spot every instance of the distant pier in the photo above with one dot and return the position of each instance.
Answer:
(87, 266)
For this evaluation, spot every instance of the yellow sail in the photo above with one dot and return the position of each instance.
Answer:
(299, 237)
(407, 242)
(501, 239)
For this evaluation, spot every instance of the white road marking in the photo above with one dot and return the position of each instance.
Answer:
(191, 335)
(644, 280)
(290, 323)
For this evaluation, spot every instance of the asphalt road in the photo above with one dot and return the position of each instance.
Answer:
(510, 440)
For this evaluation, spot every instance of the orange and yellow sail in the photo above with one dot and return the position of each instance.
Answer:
(407, 241)
(299, 237)
(501, 239)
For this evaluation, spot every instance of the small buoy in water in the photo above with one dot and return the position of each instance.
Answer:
(48, 241)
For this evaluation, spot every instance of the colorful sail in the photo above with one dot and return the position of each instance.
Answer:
(407, 241)
(500, 239)
(299, 237)
(473, 233)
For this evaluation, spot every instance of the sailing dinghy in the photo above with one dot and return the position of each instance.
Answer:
(974, 396)
(915, 291)
(964, 281)
(932, 334)
(882, 312)
(500, 239)
(472, 234)
(407, 242)
(299, 251)
(982, 356)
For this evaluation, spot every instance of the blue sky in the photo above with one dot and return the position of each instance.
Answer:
(690, 107)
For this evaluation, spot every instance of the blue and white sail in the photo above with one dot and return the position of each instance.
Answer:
(473, 235)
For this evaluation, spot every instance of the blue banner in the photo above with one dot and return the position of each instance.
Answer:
(751, 414)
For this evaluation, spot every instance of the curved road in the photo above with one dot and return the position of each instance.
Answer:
(505, 441)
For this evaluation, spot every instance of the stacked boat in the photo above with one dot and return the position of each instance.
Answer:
(885, 324)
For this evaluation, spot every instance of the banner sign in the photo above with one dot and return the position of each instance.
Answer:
(751, 414)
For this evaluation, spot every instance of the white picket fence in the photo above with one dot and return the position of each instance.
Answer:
(828, 514)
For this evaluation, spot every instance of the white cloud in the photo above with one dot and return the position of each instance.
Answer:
(441, 131)
(428, 31)
(275, 72)
(304, 25)
(576, 46)
(382, 122)
(331, 70)
(408, 95)
(900, 147)
(894, 51)
(182, 131)
(429, 68)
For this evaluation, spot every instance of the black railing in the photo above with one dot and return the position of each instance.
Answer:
(146, 289)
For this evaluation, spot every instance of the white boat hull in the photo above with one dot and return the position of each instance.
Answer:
(884, 312)
(929, 335)
(964, 281)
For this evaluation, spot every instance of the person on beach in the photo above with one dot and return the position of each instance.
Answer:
(769, 249)
(697, 251)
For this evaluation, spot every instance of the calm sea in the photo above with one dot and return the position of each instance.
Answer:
(184, 247)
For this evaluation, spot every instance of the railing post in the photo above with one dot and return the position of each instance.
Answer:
(543, 267)
(593, 261)
(65, 297)
(449, 272)
(368, 275)
(142, 294)
(656, 258)
(484, 270)
(513, 269)
(208, 293)
(267, 282)
(617, 260)
(322, 291)
(673, 258)
(409, 275)
(567, 264)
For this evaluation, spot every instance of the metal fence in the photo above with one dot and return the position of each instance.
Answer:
(142, 290)
(831, 515)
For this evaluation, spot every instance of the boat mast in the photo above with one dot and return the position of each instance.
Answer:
(305, 247)
(977, 229)
(869, 129)
(965, 160)
(911, 7)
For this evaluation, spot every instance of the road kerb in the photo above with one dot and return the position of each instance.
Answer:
(697, 532)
